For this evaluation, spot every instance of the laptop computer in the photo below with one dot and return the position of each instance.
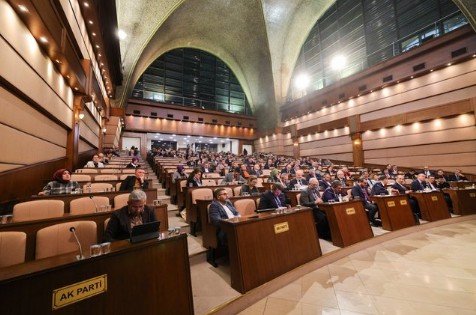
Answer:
(145, 232)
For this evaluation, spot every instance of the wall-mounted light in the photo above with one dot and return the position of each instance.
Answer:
(104, 130)
(81, 115)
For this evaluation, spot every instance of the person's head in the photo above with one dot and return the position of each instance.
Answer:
(340, 174)
(180, 169)
(277, 188)
(313, 183)
(101, 156)
(327, 177)
(336, 185)
(274, 172)
(383, 179)
(197, 173)
(440, 172)
(95, 158)
(139, 172)
(400, 179)
(431, 179)
(458, 172)
(136, 202)
(252, 181)
(421, 177)
(362, 181)
(62, 175)
(299, 174)
(374, 176)
(134, 160)
(220, 194)
(440, 179)
(284, 177)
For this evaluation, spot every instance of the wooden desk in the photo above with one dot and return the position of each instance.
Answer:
(348, 222)
(151, 277)
(462, 184)
(394, 211)
(464, 200)
(432, 205)
(265, 246)
(31, 227)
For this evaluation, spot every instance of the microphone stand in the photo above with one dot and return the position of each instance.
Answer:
(80, 256)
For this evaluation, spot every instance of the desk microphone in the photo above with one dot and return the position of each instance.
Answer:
(95, 204)
(80, 256)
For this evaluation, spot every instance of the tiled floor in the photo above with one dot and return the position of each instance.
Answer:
(427, 272)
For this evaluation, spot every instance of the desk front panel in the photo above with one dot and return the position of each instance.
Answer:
(432, 205)
(464, 200)
(152, 277)
(395, 211)
(348, 222)
(265, 246)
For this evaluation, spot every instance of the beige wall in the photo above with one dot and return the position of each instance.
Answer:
(446, 138)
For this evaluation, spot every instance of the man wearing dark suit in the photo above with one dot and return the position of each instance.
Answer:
(457, 176)
(379, 187)
(332, 193)
(426, 170)
(221, 209)
(298, 180)
(310, 197)
(312, 174)
(136, 181)
(273, 198)
(419, 183)
(206, 168)
(360, 191)
(325, 182)
(341, 177)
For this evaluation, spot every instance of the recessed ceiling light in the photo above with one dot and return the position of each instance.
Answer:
(121, 34)
(449, 64)
(86, 4)
(43, 39)
(97, 46)
(90, 22)
(22, 8)
(94, 34)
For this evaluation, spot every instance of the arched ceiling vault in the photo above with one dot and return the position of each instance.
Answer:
(259, 40)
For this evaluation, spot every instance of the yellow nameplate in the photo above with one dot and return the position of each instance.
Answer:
(434, 198)
(403, 202)
(472, 195)
(281, 227)
(350, 211)
(391, 203)
(79, 291)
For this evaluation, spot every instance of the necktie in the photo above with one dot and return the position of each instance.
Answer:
(365, 194)
(278, 203)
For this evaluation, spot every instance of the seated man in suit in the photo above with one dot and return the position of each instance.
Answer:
(341, 177)
(360, 191)
(221, 209)
(335, 193)
(135, 213)
(313, 173)
(325, 182)
(457, 176)
(379, 188)
(310, 197)
(234, 176)
(273, 198)
(136, 181)
(206, 168)
(419, 184)
(134, 163)
(298, 180)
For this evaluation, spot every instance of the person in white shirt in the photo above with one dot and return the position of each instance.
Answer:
(95, 163)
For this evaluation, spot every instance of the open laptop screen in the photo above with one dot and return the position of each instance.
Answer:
(145, 231)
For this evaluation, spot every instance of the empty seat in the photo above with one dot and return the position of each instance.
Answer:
(87, 204)
(12, 248)
(37, 210)
(245, 206)
(229, 191)
(210, 175)
(105, 177)
(80, 177)
(58, 239)
(237, 190)
(124, 176)
(120, 200)
(201, 193)
(87, 171)
(209, 182)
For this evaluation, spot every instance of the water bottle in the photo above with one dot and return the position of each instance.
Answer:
(340, 198)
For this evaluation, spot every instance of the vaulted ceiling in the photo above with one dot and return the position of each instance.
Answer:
(259, 40)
